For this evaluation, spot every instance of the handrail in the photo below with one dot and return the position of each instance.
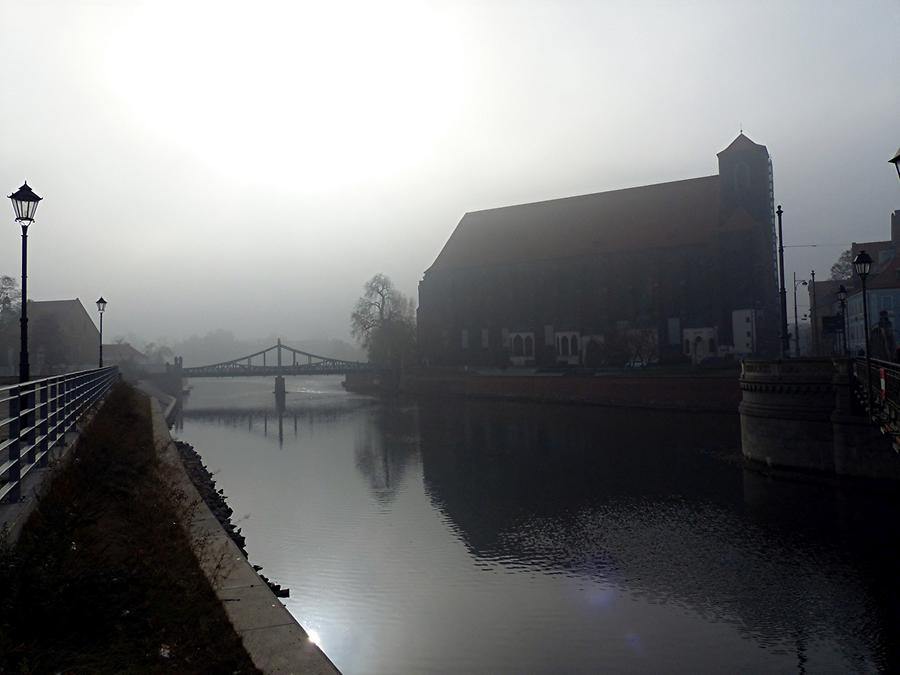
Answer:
(41, 413)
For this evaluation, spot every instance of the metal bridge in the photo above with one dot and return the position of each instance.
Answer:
(300, 363)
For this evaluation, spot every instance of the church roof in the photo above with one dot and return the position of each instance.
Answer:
(680, 213)
(743, 143)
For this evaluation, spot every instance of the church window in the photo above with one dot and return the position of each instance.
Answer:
(529, 346)
(518, 346)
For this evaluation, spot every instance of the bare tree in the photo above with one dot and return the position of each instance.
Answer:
(384, 322)
(842, 269)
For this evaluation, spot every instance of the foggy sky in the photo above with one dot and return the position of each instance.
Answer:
(248, 166)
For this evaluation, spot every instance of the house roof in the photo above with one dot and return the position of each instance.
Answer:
(680, 213)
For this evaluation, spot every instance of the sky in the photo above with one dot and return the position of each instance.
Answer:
(248, 166)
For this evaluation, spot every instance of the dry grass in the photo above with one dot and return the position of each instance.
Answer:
(103, 579)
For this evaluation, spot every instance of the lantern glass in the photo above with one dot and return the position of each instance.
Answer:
(101, 304)
(25, 203)
(862, 263)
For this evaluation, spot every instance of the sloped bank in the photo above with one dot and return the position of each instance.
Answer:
(103, 579)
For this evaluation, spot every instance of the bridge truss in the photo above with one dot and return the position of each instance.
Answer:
(301, 363)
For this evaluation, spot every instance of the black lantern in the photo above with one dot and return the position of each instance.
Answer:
(101, 304)
(842, 293)
(862, 263)
(25, 203)
(896, 162)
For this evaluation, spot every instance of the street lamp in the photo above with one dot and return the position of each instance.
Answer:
(101, 307)
(782, 291)
(862, 263)
(25, 204)
(842, 298)
(797, 282)
(896, 162)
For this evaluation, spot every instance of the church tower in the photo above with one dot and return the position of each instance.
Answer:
(747, 242)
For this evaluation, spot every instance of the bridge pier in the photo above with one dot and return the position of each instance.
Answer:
(279, 393)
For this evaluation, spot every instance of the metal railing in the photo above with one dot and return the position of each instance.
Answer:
(35, 416)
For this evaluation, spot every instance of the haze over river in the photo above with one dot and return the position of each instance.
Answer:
(450, 536)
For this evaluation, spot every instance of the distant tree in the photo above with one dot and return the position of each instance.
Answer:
(384, 323)
(843, 267)
(157, 353)
(10, 299)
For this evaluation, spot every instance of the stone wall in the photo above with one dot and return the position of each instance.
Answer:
(800, 414)
(715, 391)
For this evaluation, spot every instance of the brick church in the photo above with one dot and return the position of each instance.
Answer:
(660, 273)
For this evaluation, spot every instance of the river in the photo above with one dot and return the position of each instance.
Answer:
(451, 536)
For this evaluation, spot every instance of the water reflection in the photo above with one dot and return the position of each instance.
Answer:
(625, 498)
(386, 447)
(446, 536)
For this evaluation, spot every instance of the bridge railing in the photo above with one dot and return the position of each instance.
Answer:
(35, 417)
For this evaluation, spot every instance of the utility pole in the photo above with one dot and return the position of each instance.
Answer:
(785, 338)
(813, 313)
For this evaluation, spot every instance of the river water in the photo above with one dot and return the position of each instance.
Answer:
(450, 536)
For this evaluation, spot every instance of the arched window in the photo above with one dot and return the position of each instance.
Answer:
(517, 345)
(565, 345)
(574, 345)
(529, 346)
(712, 345)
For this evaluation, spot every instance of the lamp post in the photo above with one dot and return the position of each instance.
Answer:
(797, 282)
(25, 204)
(842, 298)
(862, 263)
(101, 307)
(785, 338)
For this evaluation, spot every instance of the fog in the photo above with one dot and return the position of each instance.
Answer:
(248, 166)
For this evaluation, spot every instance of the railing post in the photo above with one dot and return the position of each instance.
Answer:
(31, 422)
(45, 424)
(52, 413)
(15, 427)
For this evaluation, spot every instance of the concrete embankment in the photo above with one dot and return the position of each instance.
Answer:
(717, 391)
(274, 640)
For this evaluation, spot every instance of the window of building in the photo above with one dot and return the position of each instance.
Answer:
(574, 345)
(465, 339)
(712, 345)
(518, 346)
(564, 344)
(529, 346)
(885, 302)
(749, 334)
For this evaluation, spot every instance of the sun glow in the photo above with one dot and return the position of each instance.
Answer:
(313, 94)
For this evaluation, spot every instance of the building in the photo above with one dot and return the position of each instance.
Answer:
(882, 291)
(674, 271)
(61, 338)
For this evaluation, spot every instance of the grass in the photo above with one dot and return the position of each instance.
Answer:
(104, 578)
